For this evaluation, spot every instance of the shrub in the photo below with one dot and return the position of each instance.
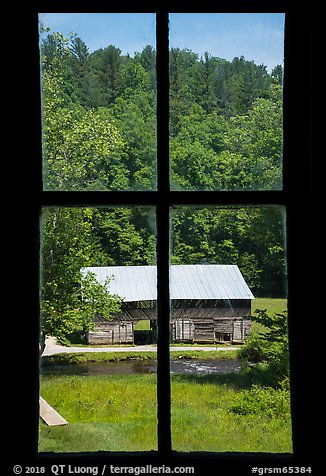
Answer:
(264, 401)
(270, 346)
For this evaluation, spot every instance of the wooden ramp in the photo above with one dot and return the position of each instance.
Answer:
(50, 415)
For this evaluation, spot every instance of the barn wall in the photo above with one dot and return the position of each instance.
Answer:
(192, 321)
(211, 321)
(212, 330)
(114, 332)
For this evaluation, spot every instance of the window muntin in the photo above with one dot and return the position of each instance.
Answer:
(98, 101)
(226, 76)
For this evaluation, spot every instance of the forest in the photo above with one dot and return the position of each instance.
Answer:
(99, 133)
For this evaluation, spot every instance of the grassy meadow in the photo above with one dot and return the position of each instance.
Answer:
(104, 413)
(272, 305)
(238, 412)
(206, 417)
(118, 413)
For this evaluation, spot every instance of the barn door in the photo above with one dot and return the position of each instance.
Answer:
(184, 330)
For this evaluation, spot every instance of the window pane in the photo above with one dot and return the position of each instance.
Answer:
(226, 75)
(98, 306)
(229, 347)
(98, 101)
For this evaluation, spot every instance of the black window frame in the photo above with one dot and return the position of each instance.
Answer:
(25, 199)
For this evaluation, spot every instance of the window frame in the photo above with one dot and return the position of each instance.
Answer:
(27, 199)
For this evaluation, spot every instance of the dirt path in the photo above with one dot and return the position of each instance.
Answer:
(52, 348)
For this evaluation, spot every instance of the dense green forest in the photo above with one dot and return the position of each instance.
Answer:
(99, 133)
(100, 120)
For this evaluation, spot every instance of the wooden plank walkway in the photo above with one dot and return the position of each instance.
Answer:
(50, 415)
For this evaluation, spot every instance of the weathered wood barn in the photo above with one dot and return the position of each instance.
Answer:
(209, 303)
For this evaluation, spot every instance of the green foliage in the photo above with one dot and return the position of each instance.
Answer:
(69, 301)
(126, 235)
(99, 122)
(251, 238)
(225, 119)
(264, 401)
(96, 300)
(64, 315)
(269, 346)
(82, 150)
(209, 152)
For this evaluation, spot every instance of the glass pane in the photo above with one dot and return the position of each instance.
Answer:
(229, 345)
(226, 76)
(98, 101)
(98, 309)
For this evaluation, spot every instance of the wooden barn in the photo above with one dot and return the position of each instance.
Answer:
(209, 303)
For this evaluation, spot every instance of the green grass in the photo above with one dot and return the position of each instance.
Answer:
(143, 325)
(105, 413)
(118, 413)
(203, 420)
(272, 305)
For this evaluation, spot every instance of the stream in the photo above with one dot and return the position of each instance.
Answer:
(128, 367)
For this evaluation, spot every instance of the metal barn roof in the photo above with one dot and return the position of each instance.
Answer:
(138, 283)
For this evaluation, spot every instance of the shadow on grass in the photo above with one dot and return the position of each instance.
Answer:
(243, 379)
